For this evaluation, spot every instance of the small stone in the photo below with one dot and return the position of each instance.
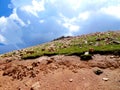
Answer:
(86, 53)
(98, 72)
(70, 80)
(75, 71)
(105, 79)
(111, 56)
(49, 61)
(84, 78)
(97, 44)
(86, 42)
(35, 86)
(30, 67)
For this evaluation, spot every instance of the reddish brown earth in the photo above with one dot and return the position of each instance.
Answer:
(60, 73)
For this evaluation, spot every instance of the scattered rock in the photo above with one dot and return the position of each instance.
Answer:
(8, 60)
(49, 61)
(86, 42)
(71, 80)
(35, 64)
(75, 71)
(91, 50)
(90, 43)
(97, 44)
(86, 53)
(105, 79)
(116, 42)
(100, 39)
(30, 67)
(43, 49)
(98, 72)
(35, 86)
(111, 57)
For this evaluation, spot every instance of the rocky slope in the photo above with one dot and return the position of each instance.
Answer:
(58, 65)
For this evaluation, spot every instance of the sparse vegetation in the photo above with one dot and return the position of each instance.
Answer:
(102, 43)
(30, 56)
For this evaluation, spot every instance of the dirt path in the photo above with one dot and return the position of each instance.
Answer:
(61, 73)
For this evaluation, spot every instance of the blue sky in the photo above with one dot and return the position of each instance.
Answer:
(26, 23)
(5, 9)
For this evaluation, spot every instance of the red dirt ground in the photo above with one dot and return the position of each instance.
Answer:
(60, 73)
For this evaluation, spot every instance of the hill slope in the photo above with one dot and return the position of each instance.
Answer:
(58, 65)
(100, 42)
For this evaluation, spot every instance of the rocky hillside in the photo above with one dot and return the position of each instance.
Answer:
(100, 42)
(86, 62)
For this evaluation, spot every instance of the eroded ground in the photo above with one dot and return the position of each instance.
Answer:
(61, 73)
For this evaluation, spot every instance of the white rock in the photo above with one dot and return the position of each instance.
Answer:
(111, 56)
(86, 42)
(35, 86)
(105, 79)
(70, 80)
(86, 53)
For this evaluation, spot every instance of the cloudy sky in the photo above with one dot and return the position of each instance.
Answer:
(25, 23)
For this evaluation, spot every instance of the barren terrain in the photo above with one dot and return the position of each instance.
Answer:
(61, 72)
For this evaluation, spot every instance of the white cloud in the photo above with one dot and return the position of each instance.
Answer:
(37, 6)
(69, 23)
(28, 22)
(3, 21)
(84, 15)
(15, 17)
(42, 21)
(112, 10)
(72, 28)
(10, 29)
(2, 39)
(75, 4)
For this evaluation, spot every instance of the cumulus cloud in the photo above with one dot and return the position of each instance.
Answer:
(112, 10)
(36, 7)
(10, 28)
(36, 21)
